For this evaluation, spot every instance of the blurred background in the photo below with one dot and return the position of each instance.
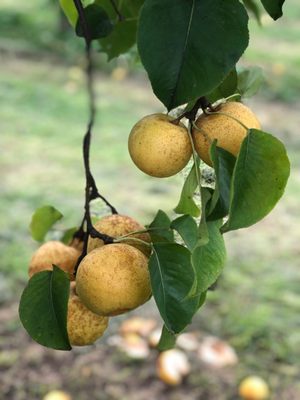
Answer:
(43, 115)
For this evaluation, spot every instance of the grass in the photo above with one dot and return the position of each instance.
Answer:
(276, 48)
(41, 138)
(33, 28)
(42, 123)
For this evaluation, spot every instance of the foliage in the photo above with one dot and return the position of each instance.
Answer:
(190, 53)
(43, 308)
(42, 220)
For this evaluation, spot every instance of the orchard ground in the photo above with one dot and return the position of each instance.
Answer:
(257, 303)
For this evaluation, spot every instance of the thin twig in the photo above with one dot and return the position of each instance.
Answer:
(118, 12)
(86, 228)
(202, 103)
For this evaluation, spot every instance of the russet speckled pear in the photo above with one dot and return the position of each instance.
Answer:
(225, 129)
(113, 279)
(57, 253)
(118, 225)
(158, 147)
(84, 327)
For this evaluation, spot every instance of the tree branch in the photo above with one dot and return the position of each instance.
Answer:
(118, 12)
(202, 103)
(86, 228)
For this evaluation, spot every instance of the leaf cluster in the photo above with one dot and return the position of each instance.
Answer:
(190, 49)
(246, 189)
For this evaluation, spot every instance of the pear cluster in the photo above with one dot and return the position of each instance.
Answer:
(111, 279)
(161, 147)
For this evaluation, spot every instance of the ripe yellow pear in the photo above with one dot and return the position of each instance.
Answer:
(118, 225)
(84, 327)
(225, 129)
(113, 279)
(57, 253)
(158, 147)
(254, 388)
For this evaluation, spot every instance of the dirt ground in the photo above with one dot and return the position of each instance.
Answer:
(102, 372)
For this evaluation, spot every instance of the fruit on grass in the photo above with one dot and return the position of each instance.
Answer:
(113, 279)
(134, 346)
(216, 352)
(118, 225)
(172, 366)
(54, 252)
(154, 337)
(225, 128)
(84, 327)
(254, 388)
(158, 147)
(138, 325)
(57, 395)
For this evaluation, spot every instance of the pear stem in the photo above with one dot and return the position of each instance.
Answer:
(136, 240)
(191, 115)
(143, 231)
(227, 115)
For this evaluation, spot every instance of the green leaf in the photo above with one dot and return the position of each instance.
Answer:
(259, 179)
(273, 7)
(202, 299)
(172, 277)
(189, 47)
(187, 228)
(129, 9)
(223, 163)
(253, 7)
(98, 22)
(208, 260)
(67, 235)
(120, 40)
(160, 228)
(203, 231)
(43, 308)
(226, 88)
(123, 36)
(70, 10)
(187, 203)
(167, 340)
(249, 81)
(42, 220)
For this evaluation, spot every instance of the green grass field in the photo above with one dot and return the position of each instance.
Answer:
(43, 118)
